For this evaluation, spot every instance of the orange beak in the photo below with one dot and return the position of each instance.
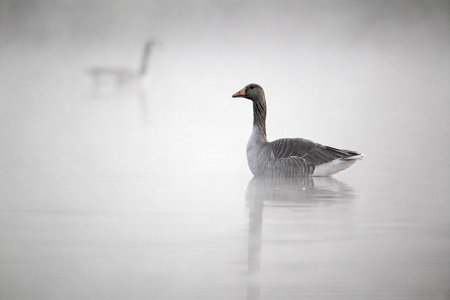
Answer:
(241, 94)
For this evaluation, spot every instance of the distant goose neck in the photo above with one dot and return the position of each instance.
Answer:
(144, 60)
(259, 117)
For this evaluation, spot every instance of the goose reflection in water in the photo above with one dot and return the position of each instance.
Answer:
(284, 192)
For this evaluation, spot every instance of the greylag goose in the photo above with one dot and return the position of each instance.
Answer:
(120, 77)
(288, 157)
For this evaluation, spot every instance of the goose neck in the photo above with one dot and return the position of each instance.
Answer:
(259, 119)
(144, 60)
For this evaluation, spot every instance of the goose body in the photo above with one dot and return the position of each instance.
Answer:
(288, 157)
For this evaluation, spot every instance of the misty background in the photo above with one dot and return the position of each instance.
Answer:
(368, 76)
(141, 189)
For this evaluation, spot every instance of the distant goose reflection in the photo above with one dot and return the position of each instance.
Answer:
(285, 191)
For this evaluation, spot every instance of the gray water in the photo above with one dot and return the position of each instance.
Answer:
(142, 190)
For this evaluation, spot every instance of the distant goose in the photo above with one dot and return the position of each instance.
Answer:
(288, 157)
(120, 77)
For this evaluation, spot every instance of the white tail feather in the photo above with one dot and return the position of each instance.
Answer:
(337, 165)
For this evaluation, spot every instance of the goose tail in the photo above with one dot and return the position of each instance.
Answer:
(337, 165)
(354, 157)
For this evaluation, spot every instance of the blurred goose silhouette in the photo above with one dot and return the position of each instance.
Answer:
(288, 157)
(121, 77)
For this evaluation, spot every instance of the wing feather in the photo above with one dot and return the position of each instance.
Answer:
(309, 151)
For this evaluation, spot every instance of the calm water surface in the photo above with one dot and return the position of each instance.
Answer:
(226, 238)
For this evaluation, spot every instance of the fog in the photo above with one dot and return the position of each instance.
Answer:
(366, 76)
(370, 76)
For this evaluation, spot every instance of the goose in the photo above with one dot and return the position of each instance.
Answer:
(120, 77)
(288, 157)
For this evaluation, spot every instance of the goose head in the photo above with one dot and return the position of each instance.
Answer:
(252, 92)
